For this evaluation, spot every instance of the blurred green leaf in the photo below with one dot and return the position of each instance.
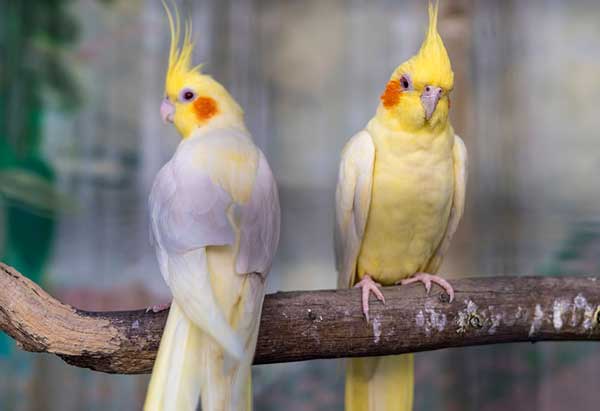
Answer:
(33, 191)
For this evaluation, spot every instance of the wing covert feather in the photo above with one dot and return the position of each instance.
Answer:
(191, 209)
(216, 189)
(187, 209)
(259, 224)
(353, 199)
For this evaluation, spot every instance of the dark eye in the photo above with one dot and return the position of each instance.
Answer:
(186, 95)
(405, 82)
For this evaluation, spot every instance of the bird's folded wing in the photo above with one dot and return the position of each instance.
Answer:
(353, 199)
(188, 210)
(259, 223)
(458, 203)
(215, 187)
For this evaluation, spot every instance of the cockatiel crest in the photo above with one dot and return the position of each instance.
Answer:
(417, 94)
(179, 70)
(431, 64)
(193, 99)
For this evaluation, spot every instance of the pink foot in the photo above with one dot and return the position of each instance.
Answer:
(368, 285)
(427, 279)
(158, 307)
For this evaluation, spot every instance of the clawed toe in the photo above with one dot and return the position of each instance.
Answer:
(427, 279)
(368, 285)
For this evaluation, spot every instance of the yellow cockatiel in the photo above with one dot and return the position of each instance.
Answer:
(399, 198)
(215, 226)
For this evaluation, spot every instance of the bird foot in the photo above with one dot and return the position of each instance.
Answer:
(368, 285)
(427, 279)
(158, 307)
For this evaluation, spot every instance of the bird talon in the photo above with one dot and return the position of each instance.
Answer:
(368, 285)
(427, 280)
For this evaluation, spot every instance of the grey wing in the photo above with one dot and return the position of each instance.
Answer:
(259, 223)
(187, 211)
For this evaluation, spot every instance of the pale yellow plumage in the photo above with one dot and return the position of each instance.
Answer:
(413, 185)
(191, 361)
(400, 196)
(188, 356)
(380, 383)
(215, 226)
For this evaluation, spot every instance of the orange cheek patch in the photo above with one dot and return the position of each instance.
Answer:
(205, 108)
(391, 95)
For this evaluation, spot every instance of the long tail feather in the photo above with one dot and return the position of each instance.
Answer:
(190, 364)
(177, 373)
(191, 285)
(380, 383)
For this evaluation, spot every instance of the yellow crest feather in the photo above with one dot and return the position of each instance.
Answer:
(431, 65)
(179, 56)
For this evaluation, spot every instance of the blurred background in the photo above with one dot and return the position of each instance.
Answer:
(81, 141)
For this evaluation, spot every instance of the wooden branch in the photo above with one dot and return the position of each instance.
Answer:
(305, 325)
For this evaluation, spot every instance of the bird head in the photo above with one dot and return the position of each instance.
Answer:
(417, 96)
(192, 99)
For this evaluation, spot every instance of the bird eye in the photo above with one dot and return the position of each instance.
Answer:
(186, 95)
(405, 82)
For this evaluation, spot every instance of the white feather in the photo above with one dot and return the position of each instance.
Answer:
(192, 290)
(353, 199)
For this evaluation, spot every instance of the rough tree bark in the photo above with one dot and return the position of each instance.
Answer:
(302, 325)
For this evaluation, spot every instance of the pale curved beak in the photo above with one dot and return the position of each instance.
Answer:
(167, 111)
(429, 98)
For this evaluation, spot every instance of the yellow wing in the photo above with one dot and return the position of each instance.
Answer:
(458, 203)
(353, 199)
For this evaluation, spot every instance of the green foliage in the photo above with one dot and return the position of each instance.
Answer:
(34, 41)
(34, 64)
